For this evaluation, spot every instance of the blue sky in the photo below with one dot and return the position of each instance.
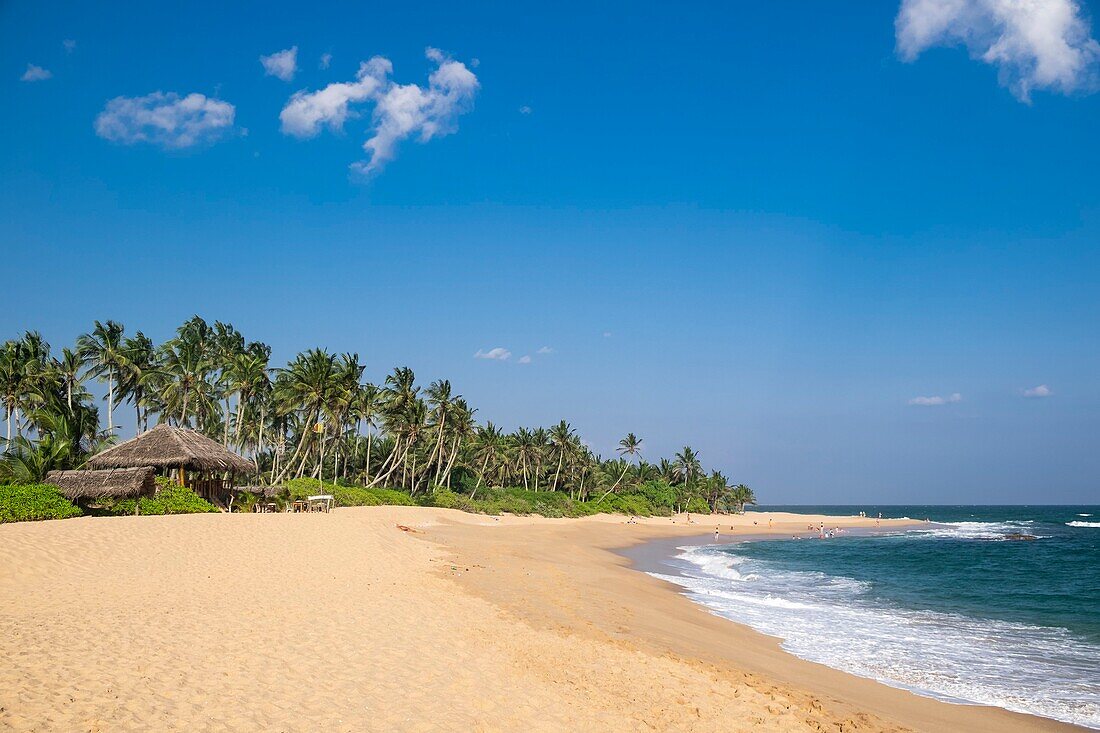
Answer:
(761, 229)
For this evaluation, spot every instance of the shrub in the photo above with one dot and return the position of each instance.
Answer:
(392, 496)
(170, 498)
(659, 493)
(26, 502)
(447, 499)
(697, 505)
(301, 488)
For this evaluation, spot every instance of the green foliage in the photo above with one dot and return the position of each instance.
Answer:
(301, 488)
(26, 502)
(658, 493)
(522, 502)
(170, 499)
(245, 501)
(697, 505)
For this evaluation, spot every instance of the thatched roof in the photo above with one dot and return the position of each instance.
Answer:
(169, 447)
(267, 492)
(112, 483)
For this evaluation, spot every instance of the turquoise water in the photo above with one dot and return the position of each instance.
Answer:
(952, 609)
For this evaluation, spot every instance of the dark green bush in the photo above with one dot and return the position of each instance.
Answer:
(26, 502)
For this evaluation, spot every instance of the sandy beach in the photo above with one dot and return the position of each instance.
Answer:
(403, 618)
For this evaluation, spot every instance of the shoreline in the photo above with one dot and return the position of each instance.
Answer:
(402, 618)
(659, 559)
(667, 621)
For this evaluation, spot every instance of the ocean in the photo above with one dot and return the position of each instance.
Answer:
(953, 609)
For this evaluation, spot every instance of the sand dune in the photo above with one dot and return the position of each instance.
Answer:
(344, 622)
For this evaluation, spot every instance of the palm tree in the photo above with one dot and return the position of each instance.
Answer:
(561, 436)
(102, 350)
(441, 401)
(526, 452)
(628, 446)
(345, 397)
(688, 466)
(742, 495)
(246, 376)
(70, 372)
(13, 379)
(488, 447)
(368, 410)
(306, 385)
(228, 344)
(138, 376)
(187, 389)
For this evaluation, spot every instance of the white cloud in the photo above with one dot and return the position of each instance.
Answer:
(1035, 44)
(525, 110)
(525, 359)
(35, 73)
(326, 59)
(165, 119)
(545, 350)
(499, 353)
(400, 110)
(306, 112)
(1041, 391)
(936, 400)
(69, 44)
(281, 64)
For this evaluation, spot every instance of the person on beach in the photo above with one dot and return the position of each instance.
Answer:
(715, 534)
(769, 522)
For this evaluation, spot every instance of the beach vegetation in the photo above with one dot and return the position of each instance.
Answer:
(28, 502)
(170, 498)
(316, 426)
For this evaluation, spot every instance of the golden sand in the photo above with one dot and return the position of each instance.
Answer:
(345, 622)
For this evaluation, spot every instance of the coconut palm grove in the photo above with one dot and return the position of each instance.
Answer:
(315, 424)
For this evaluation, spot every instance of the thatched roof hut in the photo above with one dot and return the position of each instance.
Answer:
(166, 447)
(112, 483)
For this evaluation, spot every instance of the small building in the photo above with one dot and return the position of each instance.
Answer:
(111, 483)
(185, 455)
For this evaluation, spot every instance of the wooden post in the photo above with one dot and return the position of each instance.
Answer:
(182, 472)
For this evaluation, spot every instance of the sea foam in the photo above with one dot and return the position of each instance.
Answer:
(831, 620)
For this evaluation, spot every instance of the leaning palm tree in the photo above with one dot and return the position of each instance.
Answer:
(102, 350)
(628, 446)
(441, 402)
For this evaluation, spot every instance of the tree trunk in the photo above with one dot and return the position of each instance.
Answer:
(451, 462)
(110, 400)
(225, 432)
(366, 470)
